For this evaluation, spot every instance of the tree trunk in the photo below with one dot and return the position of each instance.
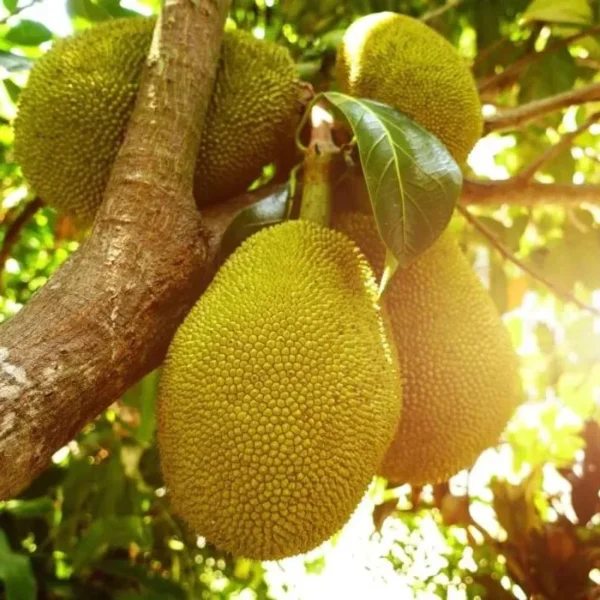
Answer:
(106, 317)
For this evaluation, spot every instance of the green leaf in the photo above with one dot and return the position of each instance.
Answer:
(412, 179)
(568, 260)
(117, 532)
(142, 396)
(552, 74)
(97, 11)
(11, 62)
(269, 211)
(16, 573)
(10, 5)
(559, 11)
(12, 89)
(30, 509)
(28, 33)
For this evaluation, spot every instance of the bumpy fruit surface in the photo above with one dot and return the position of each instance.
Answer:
(460, 370)
(406, 64)
(280, 394)
(74, 111)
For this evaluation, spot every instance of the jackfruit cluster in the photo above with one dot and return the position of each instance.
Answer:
(402, 62)
(461, 379)
(74, 111)
(279, 395)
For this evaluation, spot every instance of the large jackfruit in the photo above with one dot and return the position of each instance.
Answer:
(459, 367)
(279, 395)
(75, 108)
(402, 62)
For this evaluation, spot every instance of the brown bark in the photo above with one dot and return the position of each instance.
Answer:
(106, 317)
(514, 118)
(528, 193)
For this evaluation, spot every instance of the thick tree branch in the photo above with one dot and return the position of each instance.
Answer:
(531, 193)
(107, 316)
(512, 118)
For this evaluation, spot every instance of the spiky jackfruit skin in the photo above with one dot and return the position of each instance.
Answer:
(251, 119)
(460, 370)
(402, 62)
(280, 394)
(74, 111)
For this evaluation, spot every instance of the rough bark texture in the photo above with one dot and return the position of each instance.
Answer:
(107, 315)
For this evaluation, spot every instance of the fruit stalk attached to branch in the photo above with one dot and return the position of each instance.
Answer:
(317, 168)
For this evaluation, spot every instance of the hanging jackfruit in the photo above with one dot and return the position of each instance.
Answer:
(404, 63)
(75, 108)
(279, 395)
(461, 379)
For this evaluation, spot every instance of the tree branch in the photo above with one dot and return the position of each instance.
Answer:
(14, 229)
(18, 11)
(508, 255)
(107, 315)
(552, 152)
(438, 12)
(514, 117)
(510, 74)
(531, 193)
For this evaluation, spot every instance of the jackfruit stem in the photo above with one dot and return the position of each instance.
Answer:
(317, 194)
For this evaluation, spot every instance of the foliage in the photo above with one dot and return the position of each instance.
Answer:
(524, 522)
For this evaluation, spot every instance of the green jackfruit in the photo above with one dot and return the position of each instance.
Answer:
(75, 108)
(461, 379)
(280, 394)
(402, 62)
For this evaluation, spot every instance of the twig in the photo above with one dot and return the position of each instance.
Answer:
(436, 12)
(484, 53)
(18, 10)
(14, 229)
(565, 142)
(528, 45)
(588, 62)
(474, 221)
(500, 80)
(512, 117)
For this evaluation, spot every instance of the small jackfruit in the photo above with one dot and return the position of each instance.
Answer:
(461, 379)
(74, 111)
(279, 395)
(404, 63)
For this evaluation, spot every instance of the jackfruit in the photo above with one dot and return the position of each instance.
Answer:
(402, 62)
(279, 395)
(461, 379)
(74, 111)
